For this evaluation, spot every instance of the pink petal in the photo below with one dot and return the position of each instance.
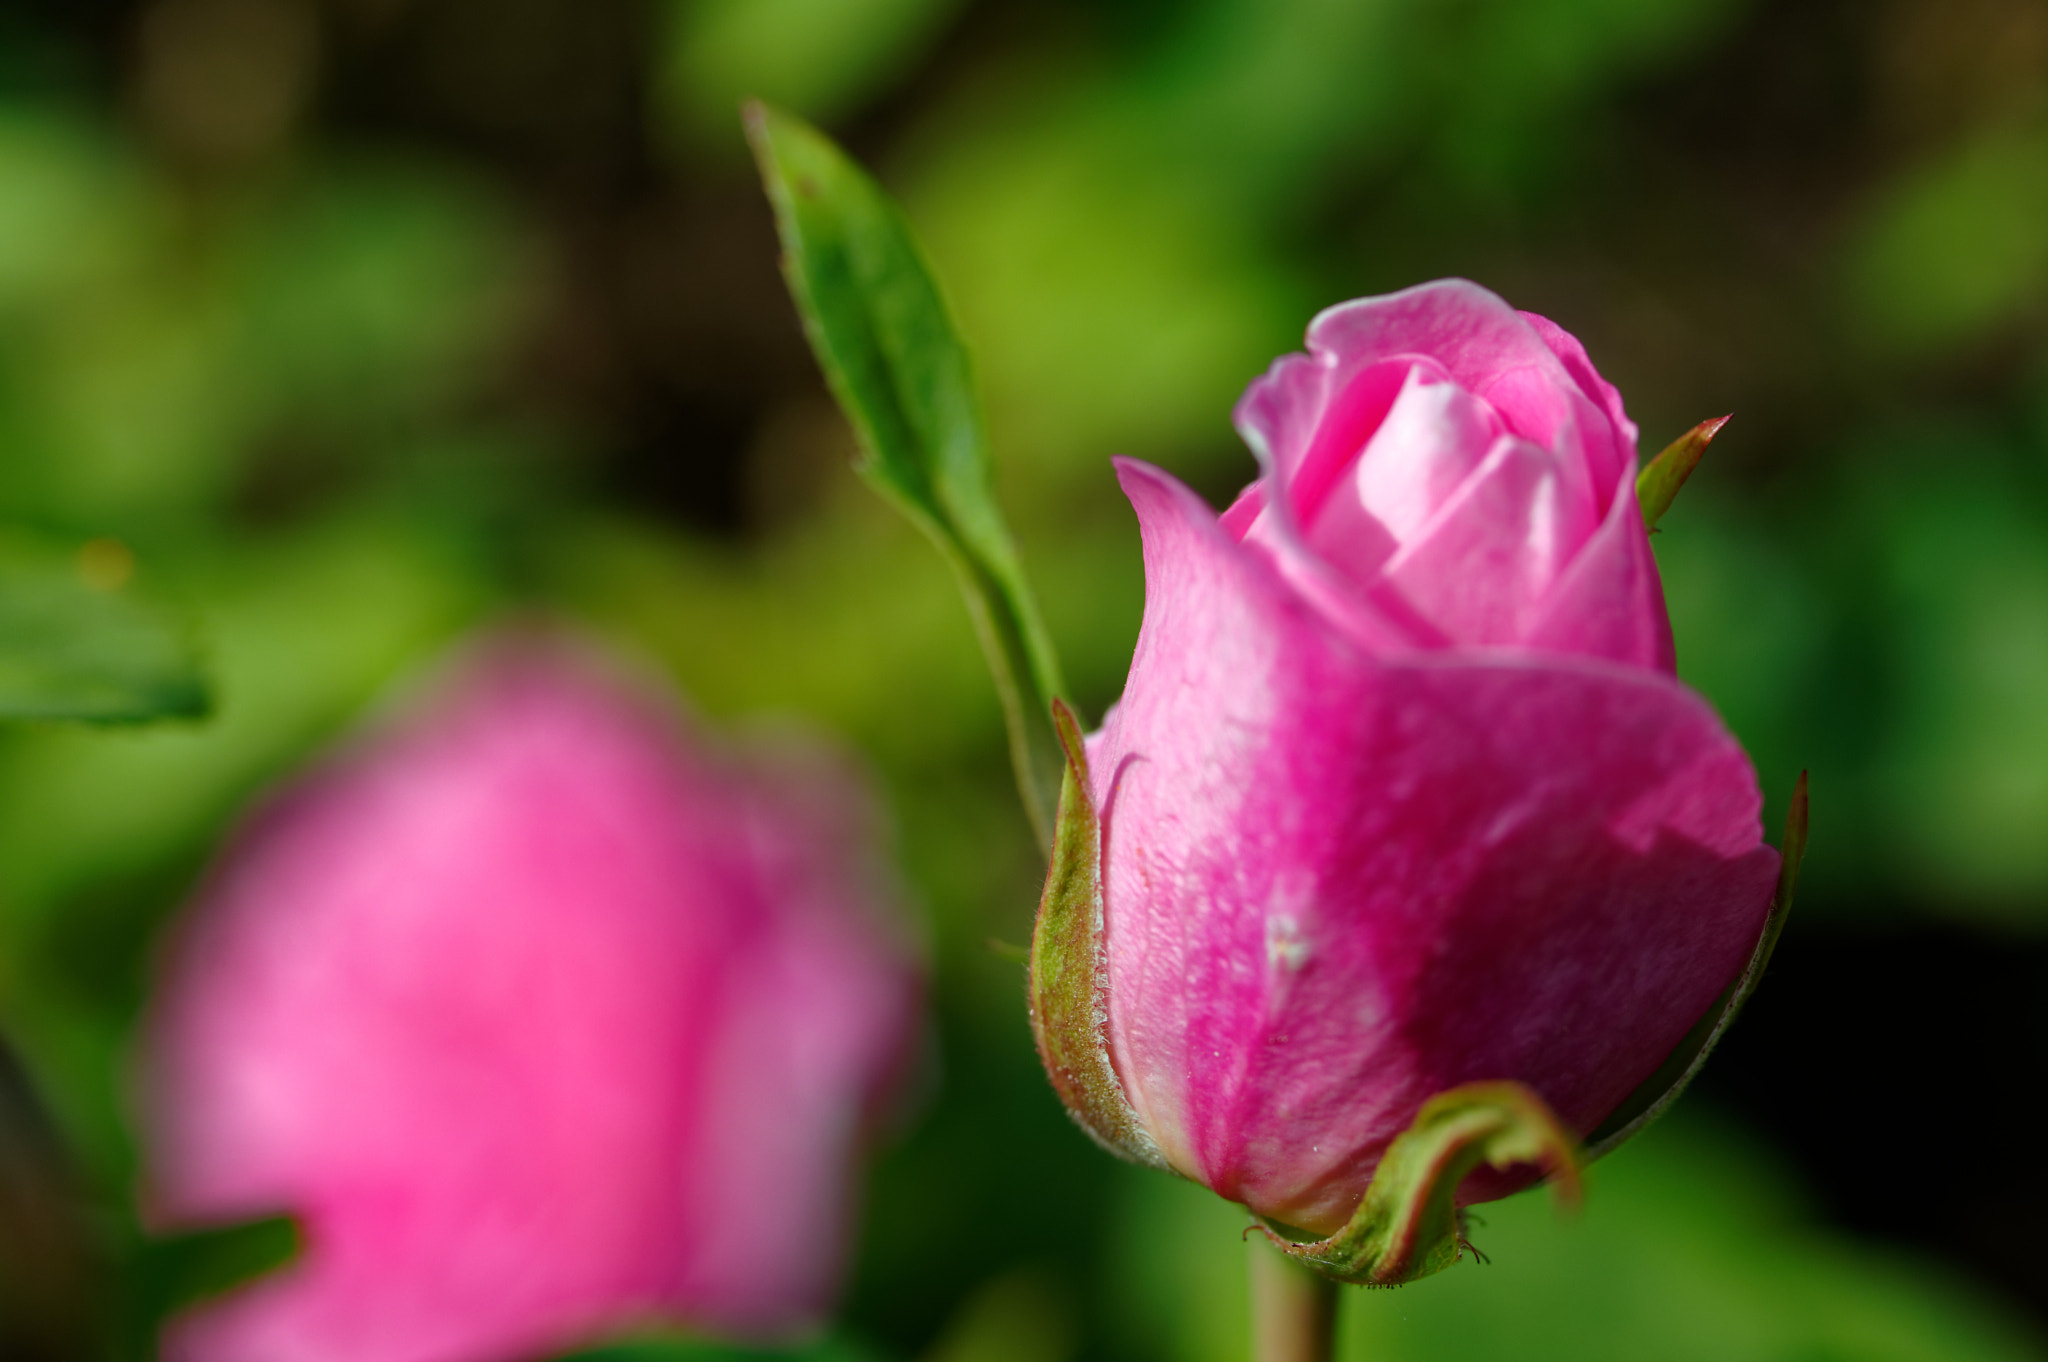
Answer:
(1481, 567)
(517, 1008)
(1466, 329)
(1610, 601)
(1313, 419)
(1606, 457)
(1311, 413)
(1430, 441)
(1338, 884)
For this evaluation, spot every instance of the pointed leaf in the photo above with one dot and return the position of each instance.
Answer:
(1657, 485)
(1066, 991)
(166, 1275)
(77, 643)
(1655, 1095)
(889, 350)
(1407, 1227)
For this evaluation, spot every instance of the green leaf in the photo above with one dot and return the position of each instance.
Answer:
(1066, 988)
(77, 643)
(1408, 1226)
(687, 1348)
(1654, 1096)
(889, 351)
(1657, 485)
(166, 1275)
(820, 57)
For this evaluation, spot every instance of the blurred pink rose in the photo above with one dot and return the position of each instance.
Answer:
(545, 1020)
(1401, 793)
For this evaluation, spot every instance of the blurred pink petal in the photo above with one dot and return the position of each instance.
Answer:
(546, 1022)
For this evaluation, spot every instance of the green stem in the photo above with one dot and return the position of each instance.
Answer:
(1294, 1310)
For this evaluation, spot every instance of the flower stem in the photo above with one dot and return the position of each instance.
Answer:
(1294, 1310)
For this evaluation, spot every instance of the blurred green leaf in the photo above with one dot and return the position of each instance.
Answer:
(888, 348)
(101, 833)
(173, 1272)
(75, 644)
(73, 205)
(1955, 247)
(679, 1348)
(818, 57)
(1117, 296)
(1019, 1316)
(1961, 767)
(370, 294)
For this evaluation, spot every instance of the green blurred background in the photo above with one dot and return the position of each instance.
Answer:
(362, 322)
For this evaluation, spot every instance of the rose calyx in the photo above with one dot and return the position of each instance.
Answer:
(1409, 1226)
(1067, 991)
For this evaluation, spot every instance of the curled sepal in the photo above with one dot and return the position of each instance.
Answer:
(1407, 1227)
(1654, 1096)
(1657, 485)
(1068, 1005)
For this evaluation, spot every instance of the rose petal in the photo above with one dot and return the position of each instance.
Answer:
(1483, 565)
(1471, 332)
(1431, 439)
(538, 1020)
(1610, 601)
(1608, 456)
(1336, 885)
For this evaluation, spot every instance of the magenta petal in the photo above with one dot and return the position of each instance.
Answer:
(1479, 569)
(1311, 413)
(1472, 333)
(818, 1011)
(1610, 602)
(545, 1023)
(1606, 456)
(1336, 884)
(1431, 439)
(1221, 625)
(1344, 405)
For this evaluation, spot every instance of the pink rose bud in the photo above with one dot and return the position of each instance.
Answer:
(1402, 794)
(544, 1019)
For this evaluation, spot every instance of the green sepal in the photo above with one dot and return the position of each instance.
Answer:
(1408, 1226)
(894, 361)
(1067, 991)
(1654, 1096)
(77, 643)
(1657, 485)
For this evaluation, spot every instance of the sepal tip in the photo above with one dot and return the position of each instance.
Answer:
(1657, 485)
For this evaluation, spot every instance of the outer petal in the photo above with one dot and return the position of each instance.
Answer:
(1608, 457)
(817, 1015)
(1610, 602)
(475, 1005)
(1336, 886)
